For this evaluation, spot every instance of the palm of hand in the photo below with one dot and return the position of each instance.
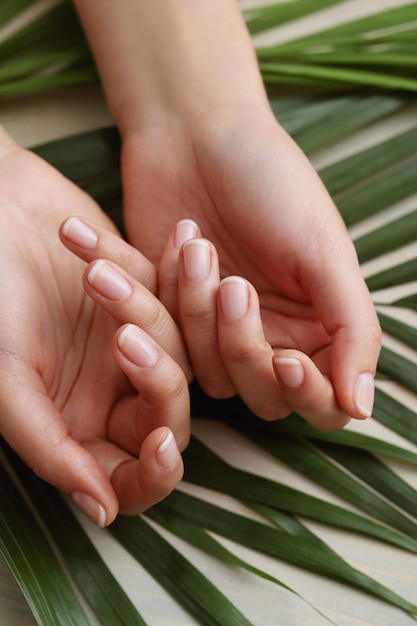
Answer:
(258, 199)
(55, 353)
(242, 192)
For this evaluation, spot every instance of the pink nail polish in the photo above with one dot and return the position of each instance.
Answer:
(109, 283)
(137, 347)
(196, 255)
(234, 297)
(79, 233)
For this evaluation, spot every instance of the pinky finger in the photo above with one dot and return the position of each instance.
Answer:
(141, 483)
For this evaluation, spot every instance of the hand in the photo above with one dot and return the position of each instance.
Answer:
(68, 397)
(258, 199)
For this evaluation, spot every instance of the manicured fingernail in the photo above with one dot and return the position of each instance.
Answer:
(234, 297)
(364, 394)
(137, 347)
(290, 371)
(93, 509)
(185, 230)
(196, 255)
(79, 233)
(110, 283)
(167, 454)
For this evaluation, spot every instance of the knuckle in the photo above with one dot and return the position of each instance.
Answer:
(197, 317)
(156, 316)
(239, 352)
(173, 388)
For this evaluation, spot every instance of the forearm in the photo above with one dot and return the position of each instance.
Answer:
(160, 59)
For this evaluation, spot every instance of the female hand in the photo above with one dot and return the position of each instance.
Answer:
(222, 327)
(258, 200)
(200, 142)
(69, 376)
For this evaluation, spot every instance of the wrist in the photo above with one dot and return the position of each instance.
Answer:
(158, 66)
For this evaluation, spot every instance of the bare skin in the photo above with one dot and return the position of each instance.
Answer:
(69, 397)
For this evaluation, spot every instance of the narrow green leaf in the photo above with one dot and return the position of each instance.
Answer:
(393, 276)
(198, 537)
(84, 157)
(379, 193)
(325, 124)
(395, 416)
(177, 575)
(275, 72)
(30, 556)
(259, 19)
(66, 78)
(376, 474)
(389, 237)
(409, 302)
(35, 62)
(401, 60)
(397, 23)
(302, 553)
(294, 425)
(58, 24)
(350, 171)
(11, 8)
(215, 474)
(306, 460)
(94, 579)
(400, 330)
(398, 368)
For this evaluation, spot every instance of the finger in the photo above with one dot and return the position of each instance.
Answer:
(36, 430)
(168, 267)
(198, 282)
(307, 391)
(141, 483)
(128, 301)
(89, 242)
(345, 307)
(246, 354)
(163, 398)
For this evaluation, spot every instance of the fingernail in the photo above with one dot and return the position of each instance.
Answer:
(79, 233)
(185, 230)
(290, 371)
(364, 394)
(234, 297)
(167, 454)
(137, 347)
(196, 255)
(110, 283)
(93, 509)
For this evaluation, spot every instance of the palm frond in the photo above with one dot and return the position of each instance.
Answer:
(378, 51)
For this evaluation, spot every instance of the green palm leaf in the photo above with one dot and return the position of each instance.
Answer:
(343, 57)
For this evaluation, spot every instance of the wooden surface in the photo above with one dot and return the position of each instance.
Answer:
(40, 118)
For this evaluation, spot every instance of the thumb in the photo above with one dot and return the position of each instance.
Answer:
(345, 307)
(36, 430)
